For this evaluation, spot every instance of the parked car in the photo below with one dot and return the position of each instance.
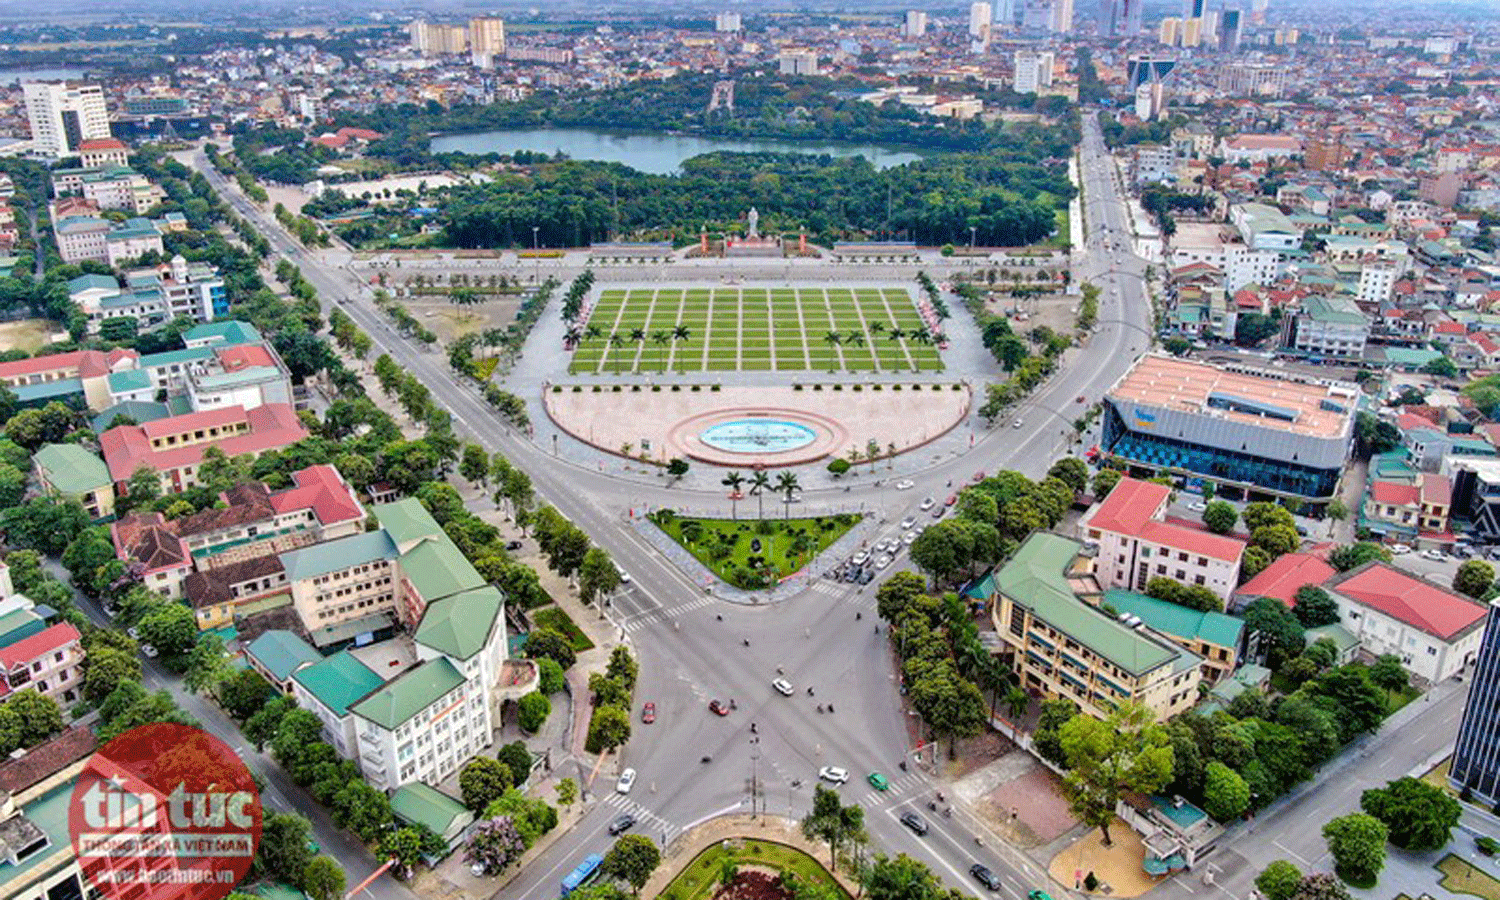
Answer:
(626, 781)
(621, 824)
(866, 575)
(1017, 423)
(148, 650)
(1197, 506)
(861, 558)
(978, 476)
(905, 484)
(834, 774)
(883, 561)
(914, 822)
(1399, 549)
(1433, 554)
(928, 502)
(783, 687)
(984, 876)
(514, 545)
(908, 522)
(648, 713)
(952, 499)
(717, 708)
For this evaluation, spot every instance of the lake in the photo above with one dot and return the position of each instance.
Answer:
(12, 76)
(660, 154)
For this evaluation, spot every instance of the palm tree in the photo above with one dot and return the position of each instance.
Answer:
(922, 336)
(877, 327)
(733, 481)
(638, 335)
(681, 333)
(896, 334)
(616, 341)
(661, 337)
(786, 483)
(758, 483)
(833, 338)
(592, 332)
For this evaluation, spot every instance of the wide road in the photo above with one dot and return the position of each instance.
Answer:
(693, 647)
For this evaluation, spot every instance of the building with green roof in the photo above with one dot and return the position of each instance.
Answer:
(329, 687)
(1060, 643)
(436, 568)
(277, 654)
(407, 522)
(419, 804)
(1215, 637)
(71, 472)
(463, 624)
(422, 726)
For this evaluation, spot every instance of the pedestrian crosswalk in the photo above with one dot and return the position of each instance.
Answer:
(909, 784)
(665, 613)
(647, 822)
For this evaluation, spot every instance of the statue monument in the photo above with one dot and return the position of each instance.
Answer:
(752, 220)
(753, 243)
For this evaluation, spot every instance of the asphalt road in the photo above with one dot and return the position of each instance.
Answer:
(689, 654)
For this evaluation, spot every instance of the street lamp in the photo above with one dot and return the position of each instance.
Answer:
(972, 229)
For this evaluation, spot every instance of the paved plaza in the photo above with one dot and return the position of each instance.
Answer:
(694, 329)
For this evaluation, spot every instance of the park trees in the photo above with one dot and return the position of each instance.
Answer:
(1418, 815)
(832, 822)
(597, 575)
(1357, 843)
(1127, 751)
(632, 859)
(1280, 632)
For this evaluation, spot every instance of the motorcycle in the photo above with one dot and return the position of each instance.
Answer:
(947, 812)
(706, 759)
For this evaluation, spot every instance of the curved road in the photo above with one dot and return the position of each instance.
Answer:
(693, 648)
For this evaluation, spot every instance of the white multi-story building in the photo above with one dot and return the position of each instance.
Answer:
(1434, 632)
(1377, 281)
(1062, 16)
(487, 36)
(1245, 266)
(916, 23)
(49, 662)
(1033, 71)
(798, 62)
(1330, 326)
(727, 22)
(1137, 544)
(980, 20)
(64, 115)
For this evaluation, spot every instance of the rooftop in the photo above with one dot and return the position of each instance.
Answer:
(1285, 575)
(1036, 578)
(282, 652)
(338, 681)
(1131, 509)
(1178, 621)
(461, 624)
(421, 804)
(409, 694)
(1413, 601)
(1194, 388)
(336, 555)
(70, 469)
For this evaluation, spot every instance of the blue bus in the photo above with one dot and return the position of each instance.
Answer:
(581, 875)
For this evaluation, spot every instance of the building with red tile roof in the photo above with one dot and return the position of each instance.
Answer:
(49, 662)
(1282, 579)
(150, 548)
(174, 446)
(1137, 543)
(1434, 632)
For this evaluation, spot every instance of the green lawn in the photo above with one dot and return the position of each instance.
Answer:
(785, 328)
(1462, 877)
(726, 546)
(699, 880)
(553, 617)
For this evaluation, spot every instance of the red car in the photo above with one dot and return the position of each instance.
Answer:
(717, 708)
(978, 477)
(648, 713)
(952, 499)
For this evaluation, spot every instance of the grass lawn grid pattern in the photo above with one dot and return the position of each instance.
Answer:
(553, 617)
(775, 547)
(1462, 877)
(754, 329)
(700, 878)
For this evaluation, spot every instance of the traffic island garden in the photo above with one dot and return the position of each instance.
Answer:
(748, 869)
(754, 554)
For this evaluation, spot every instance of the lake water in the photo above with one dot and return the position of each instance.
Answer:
(11, 76)
(660, 154)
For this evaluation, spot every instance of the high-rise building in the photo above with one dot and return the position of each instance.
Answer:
(727, 22)
(1120, 18)
(1033, 71)
(1476, 753)
(1193, 9)
(487, 36)
(798, 62)
(1144, 69)
(980, 20)
(1229, 31)
(1285, 36)
(1062, 16)
(1036, 15)
(1192, 32)
(916, 23)
(1258, 11)
(1003, 14)
(431, 38)
(1171, 30)
(64, 115)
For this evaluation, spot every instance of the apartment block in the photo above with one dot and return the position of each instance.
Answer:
(64, 115)
(1137, 543)
(49, 662)
(1060, 642)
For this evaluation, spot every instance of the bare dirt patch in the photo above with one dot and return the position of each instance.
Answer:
(1029, 809)
(30, 335)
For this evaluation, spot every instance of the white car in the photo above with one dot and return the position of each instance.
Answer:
(477, 870)
(1017, 423)
(908, 522)
(883, 561)
(148, 650)
(1434, 555)
(624, 577)
(861, 557)
(905, 484)
(909, 537)
(134, 632)
(1399, 549)
(1197, 506)
(834, 774)
(626, 781)
(928, 503)
(783, 687)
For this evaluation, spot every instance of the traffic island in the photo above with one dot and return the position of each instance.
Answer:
(763, 850)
